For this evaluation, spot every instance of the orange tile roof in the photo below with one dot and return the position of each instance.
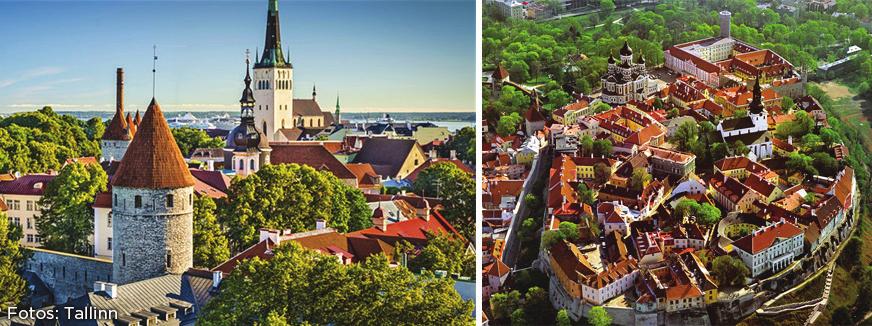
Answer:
(761, 239)
(153, 159)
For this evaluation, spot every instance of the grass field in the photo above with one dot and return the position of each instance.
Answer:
(853, 110)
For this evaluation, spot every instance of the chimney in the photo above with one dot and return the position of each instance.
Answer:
(119, 89)
(216, 279)
(380, 223)
(210, 165)
(99, 286)
(453, 154)
(269, 234)
(432, 153)
(320, 224)
(111, 289)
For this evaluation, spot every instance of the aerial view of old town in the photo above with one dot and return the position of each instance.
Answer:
(178, 165)
(676, 162)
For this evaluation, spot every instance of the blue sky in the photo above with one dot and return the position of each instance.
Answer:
(377, 55)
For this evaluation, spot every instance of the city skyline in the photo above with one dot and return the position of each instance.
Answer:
(423, 66)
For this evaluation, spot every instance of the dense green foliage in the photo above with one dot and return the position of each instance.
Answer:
(43, 140)
(463, 143)
(442, 252)
(598, 316)
(291, 196)
(299, 285)
(211, 246)
(705, 213)
(66, 218)
(456, 189)
(189, 139)
(11, 260)
(729, 271)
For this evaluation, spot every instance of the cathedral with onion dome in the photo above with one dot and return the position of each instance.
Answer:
(626, 80)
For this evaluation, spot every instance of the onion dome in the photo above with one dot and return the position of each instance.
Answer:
(626, 50)
(641, 59)
(247, 99)
(756, 106)
(611, 59)
(153, 160)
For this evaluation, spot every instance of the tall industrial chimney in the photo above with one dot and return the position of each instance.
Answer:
(725, 23)
(119, 89)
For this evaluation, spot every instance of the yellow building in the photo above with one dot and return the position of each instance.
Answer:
(425, 135)
(585, 166)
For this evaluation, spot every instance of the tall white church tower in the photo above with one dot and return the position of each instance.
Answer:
(273, 81)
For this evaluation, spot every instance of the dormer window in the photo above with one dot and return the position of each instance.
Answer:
(37, 185)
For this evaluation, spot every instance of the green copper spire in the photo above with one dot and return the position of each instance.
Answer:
(272, 51)
(337, 119)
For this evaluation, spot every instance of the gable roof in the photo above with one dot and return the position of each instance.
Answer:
(307, 108)
(153, 159)
(312, 154)
(386, 155)
(761, 239)
(413, 230)
(31, 184)
(366, 176)
(430, 162)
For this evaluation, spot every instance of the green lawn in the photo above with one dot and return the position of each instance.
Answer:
(850, 109)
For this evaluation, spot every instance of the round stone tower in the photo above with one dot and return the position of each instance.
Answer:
(117, 136)
(725, 17)
(152, 205)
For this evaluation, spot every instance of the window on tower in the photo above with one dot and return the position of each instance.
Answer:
(251, 164)
(169, 200)
(137, 201)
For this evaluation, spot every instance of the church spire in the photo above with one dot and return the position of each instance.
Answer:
(756, 106)
(246, 102)
(272, 50)
(337, 120)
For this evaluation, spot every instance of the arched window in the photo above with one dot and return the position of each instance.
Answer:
(283, 123)
(251, 164)
(265, 132)
(241, 164)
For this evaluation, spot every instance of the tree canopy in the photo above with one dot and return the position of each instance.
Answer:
(729, 271)
(188, 139)
(299, 285)
(456, 189)
(66, 219)
(11, 260)
(291, 196)
(211, 246)
(43, 140)
(442, 252)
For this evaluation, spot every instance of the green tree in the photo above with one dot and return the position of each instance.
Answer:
(536, 302)
(188, 139)
(602, 147)
(316, 288)
(66, 219)
(825, 164)
(639, 179)
(607, 7)
(504, 303)
(798, 162)
(729, 271)
(94, 128)
(42, 140)
(598, 316)
(563, 318)
(211, 246)
(686, 136)
(586, 145)
(740, 113)
(787, 103)
(446, 253)
(569, 230)
(830, 136)
(11, 260)
(585, 194)
(456, 189)
(550, 237)
(851, 253)
(519, 317)
(708, 214)
(463, 143)
(601, 173)
(289, 196)
(685, 208)
(508, 124)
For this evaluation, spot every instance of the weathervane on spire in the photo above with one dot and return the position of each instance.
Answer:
(247, 56)
(153, 69)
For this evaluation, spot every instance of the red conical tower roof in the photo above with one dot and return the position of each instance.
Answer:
(153, 159)
(137, 119)
(131, 125)
(117, 129)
